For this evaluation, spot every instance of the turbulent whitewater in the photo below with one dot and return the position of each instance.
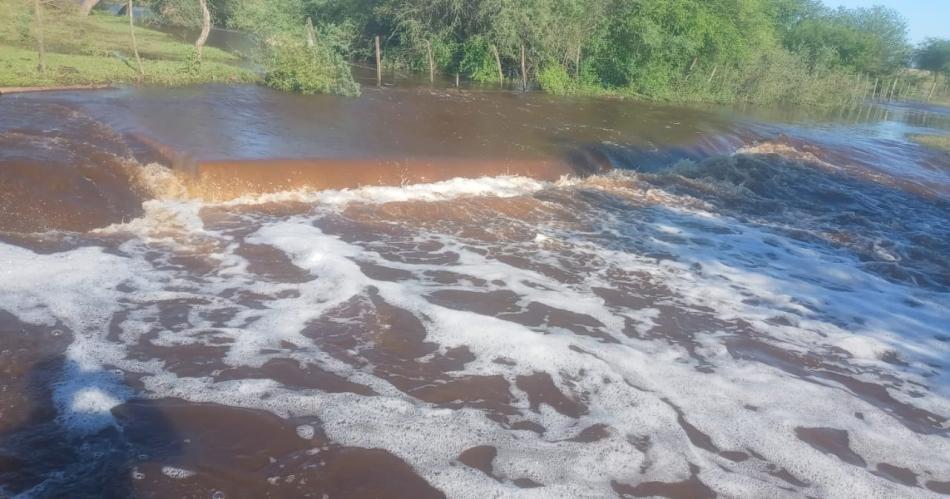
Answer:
(767, 321)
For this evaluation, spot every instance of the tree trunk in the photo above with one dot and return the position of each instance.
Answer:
(524, 74)
(431, 63)
(501, 75)
(40, 43)
(932, 87)
(890, 95)
(86, 6)
(311, 34)
(205, 27)
(135, 47)
(712, 75)
(577, 62)
(379, 67)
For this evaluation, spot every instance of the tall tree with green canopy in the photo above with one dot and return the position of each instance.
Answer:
(934, 56)
(868, 40)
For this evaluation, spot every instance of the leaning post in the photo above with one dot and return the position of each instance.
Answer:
(524, 74)
(379, 67)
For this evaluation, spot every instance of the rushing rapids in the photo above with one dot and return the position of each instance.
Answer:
(714, 315)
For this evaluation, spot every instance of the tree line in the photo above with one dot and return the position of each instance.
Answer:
(796, 51)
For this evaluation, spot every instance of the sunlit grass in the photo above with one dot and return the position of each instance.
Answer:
(935, 141)
(97, 50)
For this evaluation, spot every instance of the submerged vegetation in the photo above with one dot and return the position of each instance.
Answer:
(759, 51)
(762, 51)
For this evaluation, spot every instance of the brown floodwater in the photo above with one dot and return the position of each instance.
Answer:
(229, 292)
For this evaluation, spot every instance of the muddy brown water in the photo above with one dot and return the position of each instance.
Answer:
(231, 292)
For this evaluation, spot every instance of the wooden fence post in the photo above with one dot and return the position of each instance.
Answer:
(40, 43)
(379, 68)
(431, 64)
(524, 74)
(311, 34)
(712, 75)
(689, 72)
(501, 75)
(577, 62)
(135, 47)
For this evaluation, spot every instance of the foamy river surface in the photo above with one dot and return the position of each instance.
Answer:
(229, 292)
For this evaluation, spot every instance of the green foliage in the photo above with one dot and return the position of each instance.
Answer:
(188, 13)
(289, 62)
(554, 79)
(934, 55)
(24, 27)
(478, 61)
(795, 51)
(867, 40)
(294, 67)
(90, 50)
(193, 63)
(177, 12)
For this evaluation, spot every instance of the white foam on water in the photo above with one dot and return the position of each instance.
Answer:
(501, 186)
(177, 473)
(76, 290)
(305, 432)
(641, 387)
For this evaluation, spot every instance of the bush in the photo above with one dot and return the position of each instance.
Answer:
(554, 79)
(478, 61)
(295, 67)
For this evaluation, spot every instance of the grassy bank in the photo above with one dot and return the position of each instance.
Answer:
(934, 141)
(97, 50)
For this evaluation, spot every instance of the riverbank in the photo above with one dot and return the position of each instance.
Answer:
(96, 51)
(934, 141)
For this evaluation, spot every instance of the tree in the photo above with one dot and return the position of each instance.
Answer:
(205, 28)
(934, 56)
(135, 48)
(867, 40)
(86, 6)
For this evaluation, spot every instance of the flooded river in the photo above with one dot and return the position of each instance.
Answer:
(228, 292)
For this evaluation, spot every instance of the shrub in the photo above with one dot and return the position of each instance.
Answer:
(294, 67)
(478, 61)
(554, 79)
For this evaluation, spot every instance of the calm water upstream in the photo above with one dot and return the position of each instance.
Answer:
(228, 292)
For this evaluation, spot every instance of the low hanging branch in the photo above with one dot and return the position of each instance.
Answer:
(205, 28)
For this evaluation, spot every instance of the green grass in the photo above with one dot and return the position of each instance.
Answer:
(97, 50)
(935, 141)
